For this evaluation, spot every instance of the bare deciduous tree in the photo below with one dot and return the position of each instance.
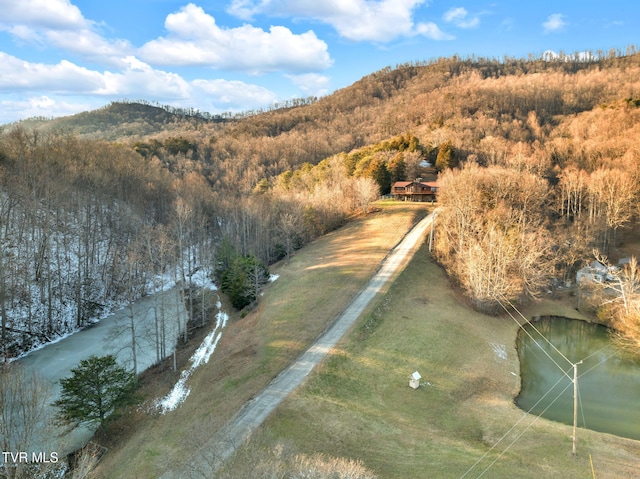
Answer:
(491, 234)
(614, 192)
(620, 304)
(24, 425)
(366, 191)
(289, 226)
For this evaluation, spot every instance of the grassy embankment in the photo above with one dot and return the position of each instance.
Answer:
(317, 284)
(359, 404)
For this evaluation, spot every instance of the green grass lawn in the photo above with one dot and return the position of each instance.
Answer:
(359, 405)
(312, 290)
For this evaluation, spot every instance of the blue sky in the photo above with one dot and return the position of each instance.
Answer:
(60, 57)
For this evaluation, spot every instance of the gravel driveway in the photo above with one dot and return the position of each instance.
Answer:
(254, 412)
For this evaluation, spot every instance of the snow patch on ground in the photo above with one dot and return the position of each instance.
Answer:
(499, 350)
(177, 395)
(202, 279)
(180, 391)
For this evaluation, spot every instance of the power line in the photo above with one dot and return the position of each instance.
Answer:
(598, 351)
(524, 416)
(573, 381)
(533, 339)
(525, 430)
(535, 329)
(575, 378)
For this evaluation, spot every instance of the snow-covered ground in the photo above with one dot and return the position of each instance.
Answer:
(181, 391)
(64, 269)
(54, 360)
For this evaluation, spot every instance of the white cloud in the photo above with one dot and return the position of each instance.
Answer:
(42, 105)
(555, 22)
(507, 25)
(90, 45)
(356, 20)
(311, 84)
(195, 39)
(139, 78)
(59, 24)
(62, 77)
(431, 30)
(235, 94)
(460, 18)
(41, 14)
(46, 86)
(247, 9)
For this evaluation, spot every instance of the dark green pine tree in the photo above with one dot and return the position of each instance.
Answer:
(397, 168)
(96, 388)
(446, 156)
(380, 174)
(243, 279)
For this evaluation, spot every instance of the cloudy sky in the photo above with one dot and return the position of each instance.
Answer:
(60, 57)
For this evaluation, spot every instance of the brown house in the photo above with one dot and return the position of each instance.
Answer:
(415, 190)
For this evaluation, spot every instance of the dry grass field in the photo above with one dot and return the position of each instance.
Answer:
(312, 290)
(460, 423)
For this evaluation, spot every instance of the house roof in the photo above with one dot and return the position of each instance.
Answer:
(597, 265)
(404, 184)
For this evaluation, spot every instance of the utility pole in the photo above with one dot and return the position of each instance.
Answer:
(433, 220)
(575, 405)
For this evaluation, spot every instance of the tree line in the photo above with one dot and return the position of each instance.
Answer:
(505, 234)
(90, 225)
(76, 211)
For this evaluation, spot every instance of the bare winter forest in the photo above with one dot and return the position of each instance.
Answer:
(538, 160)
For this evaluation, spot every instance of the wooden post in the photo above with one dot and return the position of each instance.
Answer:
(575, 405)
(433, 220)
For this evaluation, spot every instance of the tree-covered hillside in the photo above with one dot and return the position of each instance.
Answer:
(536, 152)
(120, 120)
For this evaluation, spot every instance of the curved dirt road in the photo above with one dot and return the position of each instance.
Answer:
(254, 412)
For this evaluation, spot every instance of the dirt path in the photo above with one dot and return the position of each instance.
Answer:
(253, 414)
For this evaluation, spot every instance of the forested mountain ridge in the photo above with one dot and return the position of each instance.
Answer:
(121, 120)
(85, 221)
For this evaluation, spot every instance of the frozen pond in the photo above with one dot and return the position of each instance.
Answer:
(111, 335)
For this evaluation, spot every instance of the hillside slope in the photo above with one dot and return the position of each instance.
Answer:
(252, 182)
(313, 288)
(125, 120)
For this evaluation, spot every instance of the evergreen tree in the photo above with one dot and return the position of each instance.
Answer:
(398, 168)
(380, 174)
(446, 157)
(94, 391)
(243, 280)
